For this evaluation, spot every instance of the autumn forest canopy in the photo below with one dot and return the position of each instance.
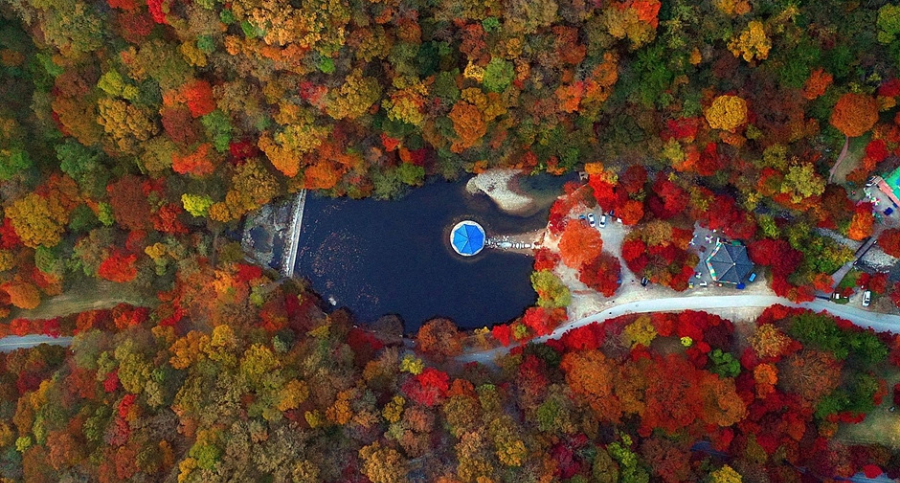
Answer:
(136, 135)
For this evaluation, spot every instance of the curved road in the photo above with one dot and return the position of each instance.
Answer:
(13, 342)
(862, 318)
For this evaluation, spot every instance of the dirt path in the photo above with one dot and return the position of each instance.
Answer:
(840, 159)
(94, 296)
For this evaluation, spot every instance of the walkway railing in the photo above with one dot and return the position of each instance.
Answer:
(293, 239)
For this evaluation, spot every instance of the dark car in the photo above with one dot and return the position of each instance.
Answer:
(644, 282)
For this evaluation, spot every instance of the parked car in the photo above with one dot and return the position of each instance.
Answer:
(867, 298)
(889, 211)
(644, 281)
(592, 220)
(752, 277)
(602, 221)
(703, 284)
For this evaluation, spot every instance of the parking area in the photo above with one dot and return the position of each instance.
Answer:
(613, 234)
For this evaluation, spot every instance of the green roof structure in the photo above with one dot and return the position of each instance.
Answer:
(893, 182)
(729, 263)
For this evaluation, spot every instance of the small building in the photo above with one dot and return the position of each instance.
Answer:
(890, 186)
(729, 263)
(467, 238)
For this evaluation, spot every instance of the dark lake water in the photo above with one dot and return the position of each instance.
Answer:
(393, 257)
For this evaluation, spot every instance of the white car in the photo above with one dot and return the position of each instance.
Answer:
(591, 220)
(867, 298)
(602, 221)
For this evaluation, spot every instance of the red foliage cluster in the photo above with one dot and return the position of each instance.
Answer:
(166, 220)
(118, 267)
(428, 388)
(889, 241)
(602, 274)
(199, 97)
(666, 263)
(544, 259)
(682, 129)
(726, 216)
(502, 333)
(243, 149)
(777, 254)
(586, 337)
(125, 316)
(179, 125)
(158, 10)
(197, 163)
(542, 321)
(668, 199)
(9, 239)
(135, 26)
(128, 198)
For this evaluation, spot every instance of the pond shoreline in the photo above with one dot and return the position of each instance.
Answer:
(502, 187)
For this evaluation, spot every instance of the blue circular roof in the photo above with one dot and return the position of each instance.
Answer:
(467, 238)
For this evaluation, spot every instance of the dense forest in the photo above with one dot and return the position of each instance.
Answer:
(134, 135)
(235, 377)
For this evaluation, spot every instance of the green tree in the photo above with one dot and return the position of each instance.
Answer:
(552, 293)
(498, 75)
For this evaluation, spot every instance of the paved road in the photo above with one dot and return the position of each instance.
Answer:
(836, 277)
(13, 342)
(862, 318)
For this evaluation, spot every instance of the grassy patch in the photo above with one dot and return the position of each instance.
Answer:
(849, 280)
(881, 426)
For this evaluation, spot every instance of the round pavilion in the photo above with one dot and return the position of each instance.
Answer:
(467, 238)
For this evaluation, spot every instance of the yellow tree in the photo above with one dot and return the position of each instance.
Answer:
(126, 124)
(752, 44)
(593, 376)
(382, 464)
(38, 220)
(727, 113)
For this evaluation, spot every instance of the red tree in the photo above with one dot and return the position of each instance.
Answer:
(118, 267)
(129, 202)
(631, 212)
(579, 244)
(889, 241)
(428, 388)
(602, 274)
(199, 97)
